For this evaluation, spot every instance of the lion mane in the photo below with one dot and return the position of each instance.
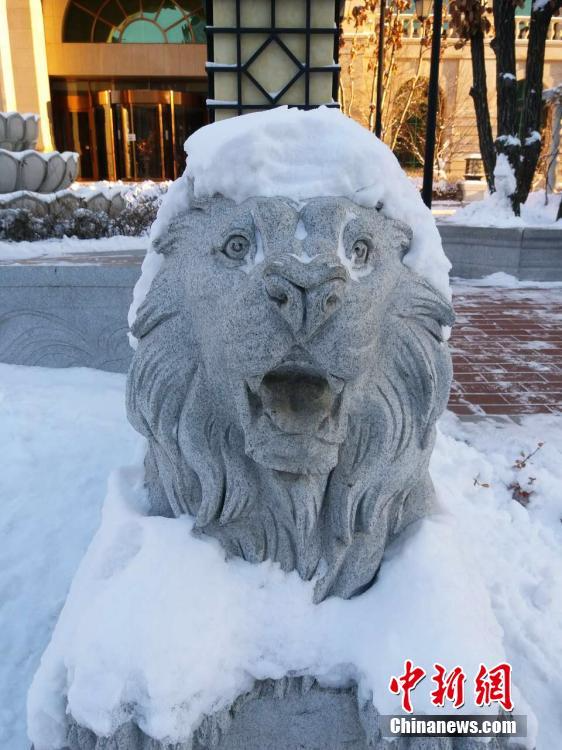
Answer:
(332, 525)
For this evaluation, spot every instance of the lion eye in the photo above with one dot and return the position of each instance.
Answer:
(360, 252)
(236, 247)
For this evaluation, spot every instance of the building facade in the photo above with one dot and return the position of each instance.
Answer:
(407, 70)
(123, 82)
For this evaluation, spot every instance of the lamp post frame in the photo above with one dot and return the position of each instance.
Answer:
(241, 63)
(380, 66)
(432, 104)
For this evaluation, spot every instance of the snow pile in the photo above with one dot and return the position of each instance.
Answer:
(55, 470)
(61, 433)
(228, 623)
(86, 190)
(503, 280)
(301, 155)
(23, 115)
(495, 211)
(515, 550)
(131, 190)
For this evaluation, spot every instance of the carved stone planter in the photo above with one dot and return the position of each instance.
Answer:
(18, 132)
(528, 253)
(64, 203)
(37, 172)
(23, 168)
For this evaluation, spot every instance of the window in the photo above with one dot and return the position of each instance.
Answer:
(135, 21)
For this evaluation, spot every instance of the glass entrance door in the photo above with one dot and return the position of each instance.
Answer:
(151, 128)
(142, 139)
(126, 133)
(74, 130)
(140, 133)
(146, 141)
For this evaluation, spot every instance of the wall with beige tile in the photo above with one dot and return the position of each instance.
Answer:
(123, 60)
(7, 86)
(28, 64)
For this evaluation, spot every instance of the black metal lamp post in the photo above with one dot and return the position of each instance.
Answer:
(423, 9)
(380, 66)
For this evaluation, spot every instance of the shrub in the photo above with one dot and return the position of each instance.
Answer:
(447, 191)
(135, 220)
(138, 215)
(19, 225)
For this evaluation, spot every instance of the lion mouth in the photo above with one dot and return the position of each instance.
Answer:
(295, 417)
(296, 398)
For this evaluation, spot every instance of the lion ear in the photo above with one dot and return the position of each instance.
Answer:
(400, 235)
(416, 300)
(174, 234)
(158, 306)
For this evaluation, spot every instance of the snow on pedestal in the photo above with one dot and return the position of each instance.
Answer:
(157, 620)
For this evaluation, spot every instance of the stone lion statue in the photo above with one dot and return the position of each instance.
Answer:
(289, 373)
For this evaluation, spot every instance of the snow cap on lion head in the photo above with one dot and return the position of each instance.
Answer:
(291, 362)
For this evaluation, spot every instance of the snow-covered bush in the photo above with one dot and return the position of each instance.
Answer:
(447, 191)
(135, 219)
(20, 225)
(138, 215)
(443, 190)
(85, 224)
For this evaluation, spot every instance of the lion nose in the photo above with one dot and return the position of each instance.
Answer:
(305, 295)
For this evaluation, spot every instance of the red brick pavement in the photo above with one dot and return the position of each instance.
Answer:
(507, 351)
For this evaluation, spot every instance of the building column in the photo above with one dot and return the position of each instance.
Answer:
(7, 87)
(29, 63)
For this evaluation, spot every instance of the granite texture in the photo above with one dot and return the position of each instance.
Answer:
(529, 253)
(294, 713)
(67, 315)
(40, 172)
(18, 132)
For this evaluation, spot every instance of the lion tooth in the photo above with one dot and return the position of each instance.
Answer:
(254, 383)
(336, 384)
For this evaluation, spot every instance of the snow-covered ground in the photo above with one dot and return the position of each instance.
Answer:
(63, 431)
(46, 250)
(495, 211)
(502, 280)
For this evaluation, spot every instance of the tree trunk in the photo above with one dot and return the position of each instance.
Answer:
(372, 94)
(479, 94)
(406, 109)
(532, 108)
(507, 141)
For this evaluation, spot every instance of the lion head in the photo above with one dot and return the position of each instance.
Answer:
(288, 376)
